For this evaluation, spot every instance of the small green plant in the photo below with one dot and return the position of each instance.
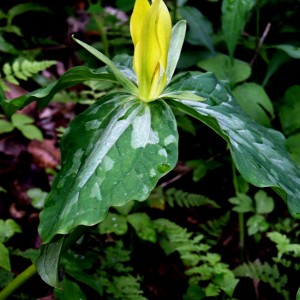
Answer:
(286, 250)
(185, 199)
(22, 69)
(204, 267)
(265, 273)
(24, 124)
(37, 197)
(262, 205)
(7, 229)
(113, 277)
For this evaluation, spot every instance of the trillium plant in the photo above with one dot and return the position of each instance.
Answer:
(118, 148)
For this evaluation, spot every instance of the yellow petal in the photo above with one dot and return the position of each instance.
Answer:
(138, 16)
(147, 51)
(164, 28)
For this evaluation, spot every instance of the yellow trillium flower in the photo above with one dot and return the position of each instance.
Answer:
(150, 28)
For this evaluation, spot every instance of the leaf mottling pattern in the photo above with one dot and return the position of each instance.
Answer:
(119, 160)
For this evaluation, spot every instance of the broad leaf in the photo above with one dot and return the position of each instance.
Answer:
(234, 17)
(255, 102)
(45, 94)
(221, 66)
(200, 29)
(290, 110)
(47, 262)
(259, 153)
(112, 153)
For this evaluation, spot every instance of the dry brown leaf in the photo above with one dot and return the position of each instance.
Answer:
(45, 154)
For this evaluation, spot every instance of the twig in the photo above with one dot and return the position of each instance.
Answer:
(177, 177)
(260, 42)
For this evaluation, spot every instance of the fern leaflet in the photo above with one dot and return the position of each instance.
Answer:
(203, 265)
(185, 199)
(266, 273)
(24, 69)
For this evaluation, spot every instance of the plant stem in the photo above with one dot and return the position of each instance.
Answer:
(241, 215)
(100, 25)
(103, 34)
(242, 234)
(17, 282)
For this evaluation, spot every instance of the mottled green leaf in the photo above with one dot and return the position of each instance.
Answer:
(221, 66)
(112, 153)
(45, 94)
(234, 17)
(255, 102)
(200, 28)
(113, 223)
(259, 153)
(143, 226)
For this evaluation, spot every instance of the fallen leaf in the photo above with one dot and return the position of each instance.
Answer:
(45, 154)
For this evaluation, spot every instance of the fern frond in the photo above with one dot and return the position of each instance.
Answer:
(194, 252)
(283, 244)
(266, 273)
(24, 69)
(126, 287)
(185, 199)
(214, 228)
(182, 241)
